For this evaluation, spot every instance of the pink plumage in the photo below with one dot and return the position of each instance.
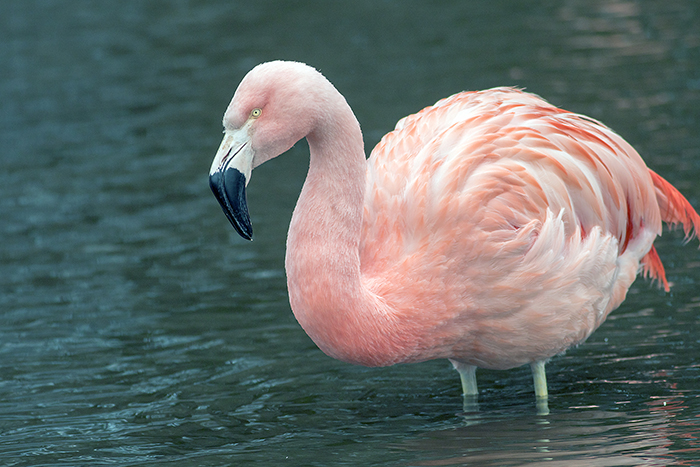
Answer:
(492, 229)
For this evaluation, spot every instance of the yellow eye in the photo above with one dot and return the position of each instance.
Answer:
(255, 113)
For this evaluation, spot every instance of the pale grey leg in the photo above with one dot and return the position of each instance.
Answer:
(539, 377)
(467, 373)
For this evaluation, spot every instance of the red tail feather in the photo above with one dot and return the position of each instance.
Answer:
(654, 268)
(675, 209)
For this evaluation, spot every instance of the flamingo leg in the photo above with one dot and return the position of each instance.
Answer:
(539, 376)
(467, 373)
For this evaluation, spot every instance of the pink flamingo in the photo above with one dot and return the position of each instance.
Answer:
(492, 229)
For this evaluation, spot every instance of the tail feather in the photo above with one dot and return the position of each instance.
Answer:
(654, 268)
(675, 209)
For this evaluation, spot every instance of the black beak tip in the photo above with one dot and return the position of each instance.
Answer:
(245, 230)
(229, 188)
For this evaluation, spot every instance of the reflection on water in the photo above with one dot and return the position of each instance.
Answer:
(136, 328)
(586, 436)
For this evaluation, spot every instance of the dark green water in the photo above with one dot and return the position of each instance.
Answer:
(136, 328)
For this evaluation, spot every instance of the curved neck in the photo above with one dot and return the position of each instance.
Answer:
(322, 260)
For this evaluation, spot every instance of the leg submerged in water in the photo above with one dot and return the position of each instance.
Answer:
(467, 373)
(470, 392)
(539, 377)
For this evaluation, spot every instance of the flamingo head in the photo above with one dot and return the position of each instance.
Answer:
(276, 105)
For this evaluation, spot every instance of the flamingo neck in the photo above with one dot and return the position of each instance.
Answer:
(322, 260)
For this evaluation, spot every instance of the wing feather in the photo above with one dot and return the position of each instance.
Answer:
(504, 204)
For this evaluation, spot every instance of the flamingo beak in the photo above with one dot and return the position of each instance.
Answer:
(228, 177)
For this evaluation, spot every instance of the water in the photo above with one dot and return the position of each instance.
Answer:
(136, 328)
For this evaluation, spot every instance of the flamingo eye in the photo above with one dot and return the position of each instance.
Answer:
(255, 113)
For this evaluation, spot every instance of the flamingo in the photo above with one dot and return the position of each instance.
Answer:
(492, 229)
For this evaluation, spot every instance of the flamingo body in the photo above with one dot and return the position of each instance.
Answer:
(492, 229)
